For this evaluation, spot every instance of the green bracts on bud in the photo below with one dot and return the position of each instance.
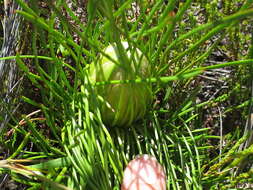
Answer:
(126, 103)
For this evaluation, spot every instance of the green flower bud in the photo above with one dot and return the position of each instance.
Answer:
(126, 103)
